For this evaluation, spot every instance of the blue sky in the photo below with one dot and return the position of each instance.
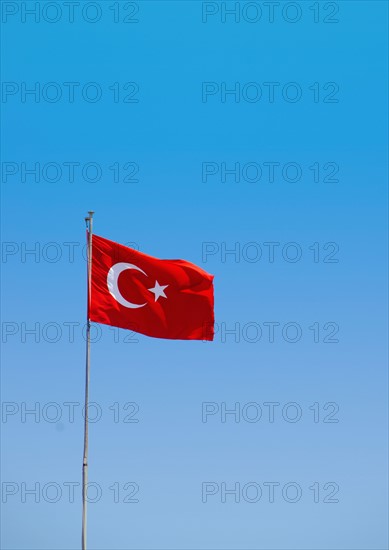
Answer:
(148, 141)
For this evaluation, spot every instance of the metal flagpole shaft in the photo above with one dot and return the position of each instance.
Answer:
(89, 221)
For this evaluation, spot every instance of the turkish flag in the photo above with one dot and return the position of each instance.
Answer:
(160, 298)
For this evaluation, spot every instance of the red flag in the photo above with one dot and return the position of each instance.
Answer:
(160, 298)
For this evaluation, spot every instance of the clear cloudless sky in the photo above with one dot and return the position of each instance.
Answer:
(302, 462)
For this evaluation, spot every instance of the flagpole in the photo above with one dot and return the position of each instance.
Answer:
(89, 223)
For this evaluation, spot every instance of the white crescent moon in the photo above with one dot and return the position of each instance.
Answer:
(112, 283)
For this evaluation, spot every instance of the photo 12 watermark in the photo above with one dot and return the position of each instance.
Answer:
(270, 252)
(69, 92)
(51, 252)
(68, 492)
(270, 92)
(265, 172)
(269, 492)
(65, 332)
(45, 12)
(68, 412)
(269, 412)
(263, 12)
(273, 332)
(69, 171)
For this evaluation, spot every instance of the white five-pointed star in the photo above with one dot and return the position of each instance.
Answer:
(158, 290)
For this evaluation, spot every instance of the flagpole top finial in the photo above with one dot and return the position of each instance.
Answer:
(91, 212)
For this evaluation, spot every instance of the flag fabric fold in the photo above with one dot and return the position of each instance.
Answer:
(161, 298)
